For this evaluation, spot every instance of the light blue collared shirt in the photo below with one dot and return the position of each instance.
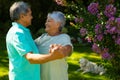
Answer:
(19, 42)
(56, 69)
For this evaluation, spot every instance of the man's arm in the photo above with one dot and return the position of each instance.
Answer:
(56, 53)
(66, 50)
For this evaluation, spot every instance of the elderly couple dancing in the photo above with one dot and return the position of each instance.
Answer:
(42, 58)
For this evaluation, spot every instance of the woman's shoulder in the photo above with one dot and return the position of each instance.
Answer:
(64, 35)
(41, 36)
(44, 34)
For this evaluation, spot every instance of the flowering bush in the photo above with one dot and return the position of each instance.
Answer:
(105, 34)
(100, 24)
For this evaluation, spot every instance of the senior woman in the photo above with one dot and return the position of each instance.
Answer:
(57, 69)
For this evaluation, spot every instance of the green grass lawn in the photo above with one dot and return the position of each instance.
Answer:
(79, 51)
(86, 52)
(3, 60)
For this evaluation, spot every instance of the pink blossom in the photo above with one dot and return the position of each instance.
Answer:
(60, 2)
(89, 39)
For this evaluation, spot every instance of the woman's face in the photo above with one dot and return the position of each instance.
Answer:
(51, 25)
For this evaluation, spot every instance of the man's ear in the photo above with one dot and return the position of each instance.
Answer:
(22, 16)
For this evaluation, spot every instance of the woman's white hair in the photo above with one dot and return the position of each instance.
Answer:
(58, 16)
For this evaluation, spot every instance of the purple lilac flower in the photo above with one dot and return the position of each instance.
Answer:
(113, 30)
(118, 21)
(79, 20)
(118, 31)
(106, 56)
(114, 37)
(107, 26)
(117, 41)
(110, 26)
(105, 50)
(99, 37)
(118, 24)
(99, 16)
(83, 31)
(111, 21)
(98, 29)
(96, 48)
(94, 40)
(105, 32)
(76, 20)
(93, 8)
(110, 10)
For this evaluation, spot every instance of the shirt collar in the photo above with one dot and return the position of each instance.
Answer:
(20, 26)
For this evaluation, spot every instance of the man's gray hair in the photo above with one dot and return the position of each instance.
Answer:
(17, 8)
(58, 17)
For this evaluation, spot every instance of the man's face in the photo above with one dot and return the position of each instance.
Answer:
(27, 18)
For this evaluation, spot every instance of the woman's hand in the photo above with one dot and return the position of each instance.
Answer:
(57, 51)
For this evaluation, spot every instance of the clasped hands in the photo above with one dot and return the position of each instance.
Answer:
(57, 51)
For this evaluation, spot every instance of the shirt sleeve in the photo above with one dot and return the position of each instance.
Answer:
(37, 40)
(66, 40)
(21, 44)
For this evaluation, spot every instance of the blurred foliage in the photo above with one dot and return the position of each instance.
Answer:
(41, 8)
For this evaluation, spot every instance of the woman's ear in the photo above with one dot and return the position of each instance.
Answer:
(58, 24)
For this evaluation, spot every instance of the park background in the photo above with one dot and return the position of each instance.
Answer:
(78, 17)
